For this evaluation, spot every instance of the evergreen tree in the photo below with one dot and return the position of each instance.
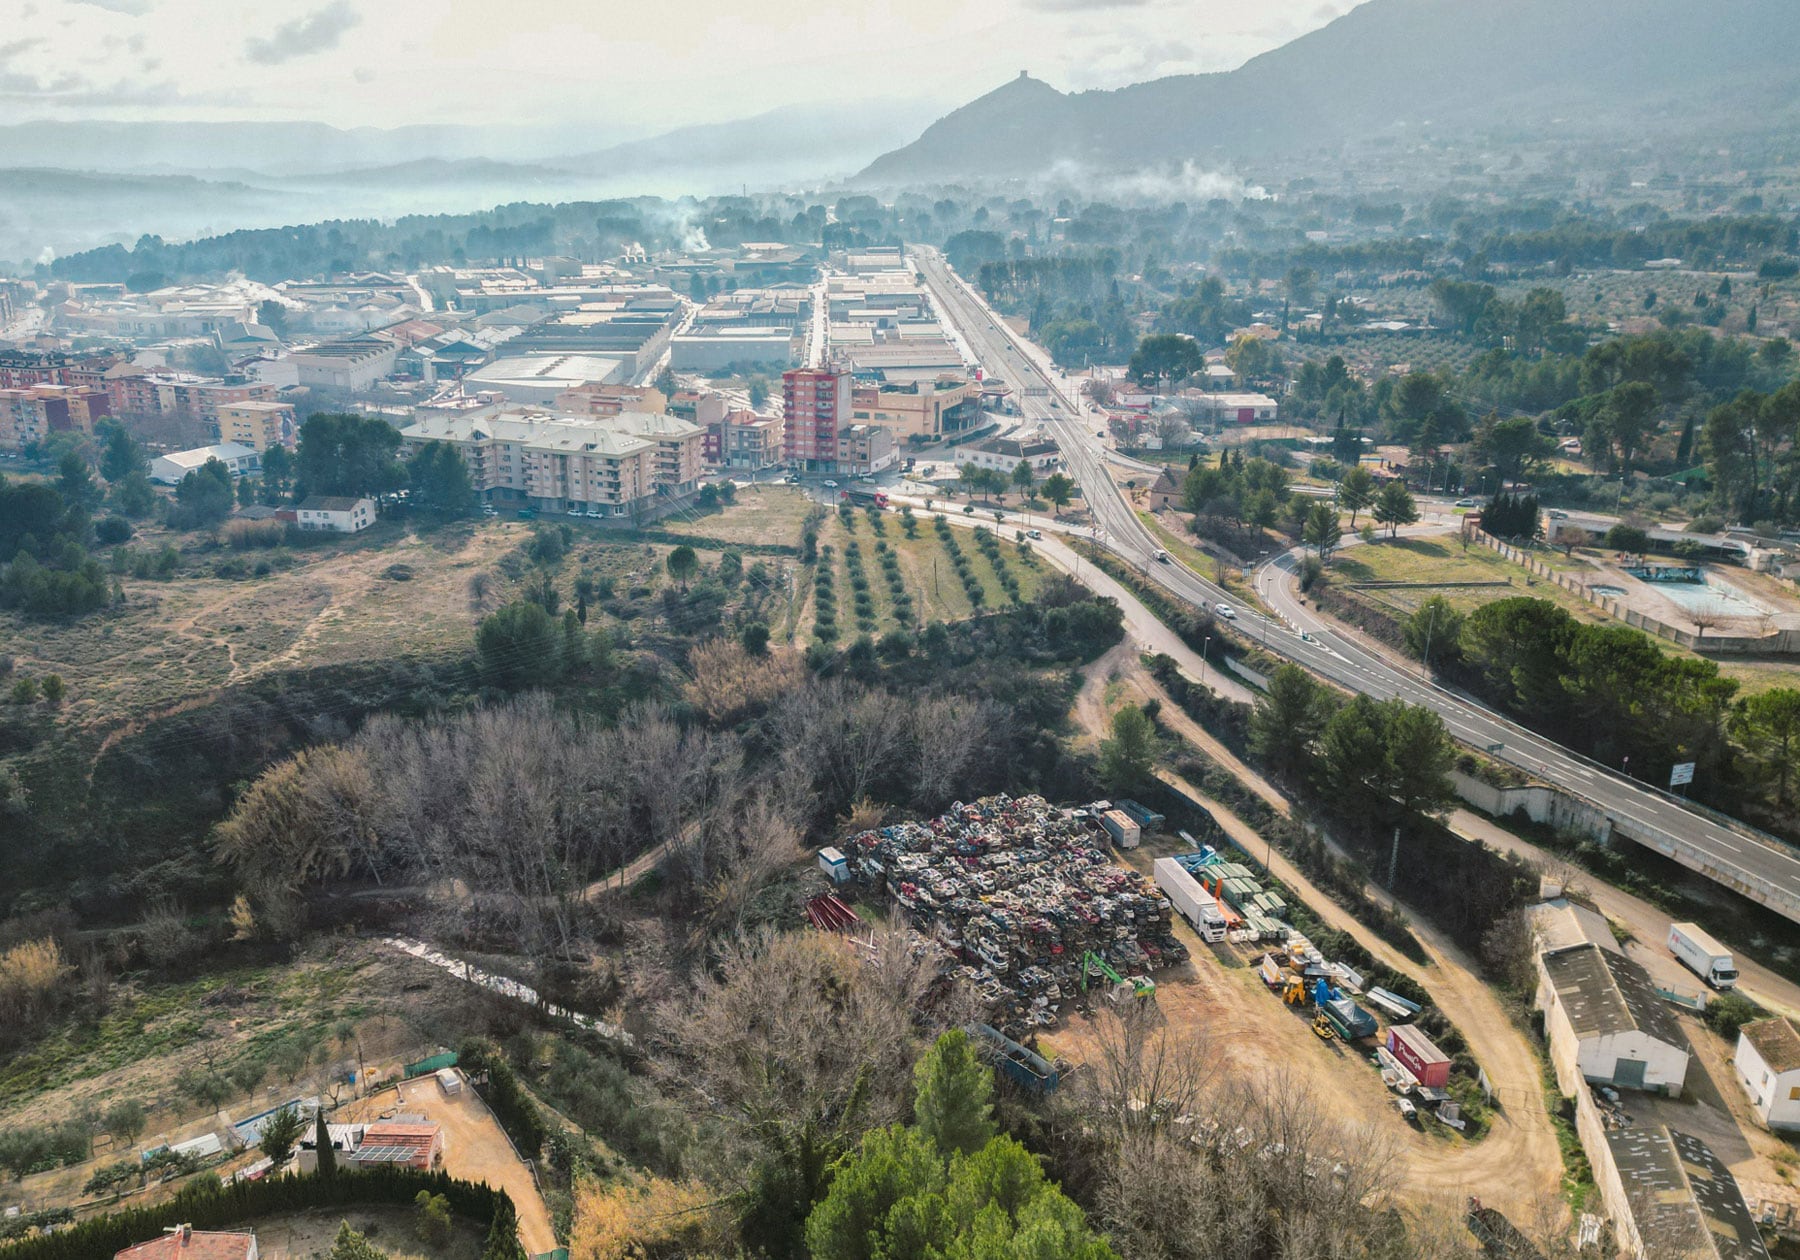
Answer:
(327, 1153)
(954, 1087)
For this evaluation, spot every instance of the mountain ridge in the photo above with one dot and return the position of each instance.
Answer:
(1388, 67)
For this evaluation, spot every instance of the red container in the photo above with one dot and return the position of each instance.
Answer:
(1418, 1055)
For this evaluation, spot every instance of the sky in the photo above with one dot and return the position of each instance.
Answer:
(621, 67)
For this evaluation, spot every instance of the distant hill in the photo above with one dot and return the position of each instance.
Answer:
(797, 142)
(1583, 67)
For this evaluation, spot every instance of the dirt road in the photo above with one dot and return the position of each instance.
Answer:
(475, 1147)
(1649, 925)
(1517, 1166)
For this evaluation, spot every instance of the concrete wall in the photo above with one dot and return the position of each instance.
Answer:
(1566, 811)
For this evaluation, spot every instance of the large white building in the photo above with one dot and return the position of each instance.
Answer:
(600, 466)
(1768, 1067)
(238, 459)
(1606, 1024)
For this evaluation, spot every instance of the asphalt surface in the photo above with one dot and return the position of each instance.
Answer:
(1319, 644)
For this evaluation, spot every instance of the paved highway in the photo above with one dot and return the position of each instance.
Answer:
(1765, 870)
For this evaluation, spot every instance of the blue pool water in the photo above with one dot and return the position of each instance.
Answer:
(1708, 597)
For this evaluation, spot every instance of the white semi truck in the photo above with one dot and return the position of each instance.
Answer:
(1702, 955)
(1194, 903)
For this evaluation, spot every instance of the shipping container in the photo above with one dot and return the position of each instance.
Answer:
(1414, 1051)
(1119, 826)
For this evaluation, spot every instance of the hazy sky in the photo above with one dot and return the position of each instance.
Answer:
(628, 66)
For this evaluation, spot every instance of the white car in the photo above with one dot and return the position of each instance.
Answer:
(1225, 611)
(831, 485)
(574, 511)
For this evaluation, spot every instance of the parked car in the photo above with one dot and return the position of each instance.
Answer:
(490, 511)
(831, 485)
(1557, 514)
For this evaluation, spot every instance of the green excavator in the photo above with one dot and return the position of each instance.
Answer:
(1143, 988)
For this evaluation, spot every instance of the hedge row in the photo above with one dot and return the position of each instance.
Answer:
(209, 1205)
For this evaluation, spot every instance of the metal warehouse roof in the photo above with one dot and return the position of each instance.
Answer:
(1605, 994)
(1683, 1198)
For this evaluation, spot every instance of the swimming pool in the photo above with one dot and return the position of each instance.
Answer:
(1708, 597)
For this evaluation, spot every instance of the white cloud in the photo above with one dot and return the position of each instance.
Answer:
(315, 33)
(600, 72)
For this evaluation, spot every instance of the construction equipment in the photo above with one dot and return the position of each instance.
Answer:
(1142, 988)
(1322, 1028)
(1295, 993)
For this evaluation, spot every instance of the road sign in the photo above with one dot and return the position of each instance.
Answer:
(1681, 774)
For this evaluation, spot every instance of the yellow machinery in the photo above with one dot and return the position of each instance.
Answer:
(1322, 1028)
(1295, 993)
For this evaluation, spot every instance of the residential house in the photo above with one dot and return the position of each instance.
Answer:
(865, 449)
(1768, 1067)
(406, 1144)
(1168, 490)
(184, 1242)
(338, 514)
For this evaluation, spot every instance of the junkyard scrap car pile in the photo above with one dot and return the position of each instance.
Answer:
(1020, 892)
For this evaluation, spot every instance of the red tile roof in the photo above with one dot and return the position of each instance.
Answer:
(197, 1246)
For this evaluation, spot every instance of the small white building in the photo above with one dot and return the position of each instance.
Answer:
(1768, 1067)
(834, 865)
(1606, 1024)
(239, 460)
(337, 514)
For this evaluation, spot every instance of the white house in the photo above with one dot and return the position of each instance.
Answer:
(1605, 1023)
(1768, 1067)
(339, 514)
(238, 459)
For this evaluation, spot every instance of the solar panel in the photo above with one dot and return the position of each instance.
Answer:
(389, 1154)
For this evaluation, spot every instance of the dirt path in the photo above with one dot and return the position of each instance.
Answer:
(1518, 1165)
(476, 1148)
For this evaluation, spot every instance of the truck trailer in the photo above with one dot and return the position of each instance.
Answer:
(1118, 824)
(1702, 955)
(1194, 903)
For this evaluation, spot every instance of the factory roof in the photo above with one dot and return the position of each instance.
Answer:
(1684, 1200)
(1606, 994)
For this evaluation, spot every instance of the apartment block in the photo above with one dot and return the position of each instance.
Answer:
(744, 439)
(601, 466)
(30, 415)
(258, 424)
(815, 403)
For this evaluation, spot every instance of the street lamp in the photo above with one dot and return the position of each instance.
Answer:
(1205, 647)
